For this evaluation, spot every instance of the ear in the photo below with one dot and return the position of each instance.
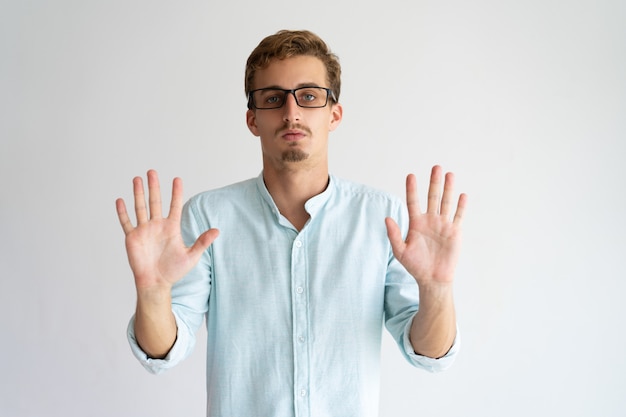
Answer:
(336, 114)
(251, 122)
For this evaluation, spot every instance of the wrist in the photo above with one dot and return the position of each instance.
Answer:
(155, 295)
(435, 293)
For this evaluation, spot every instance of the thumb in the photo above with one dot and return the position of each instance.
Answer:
(204, 241)
(395, 236)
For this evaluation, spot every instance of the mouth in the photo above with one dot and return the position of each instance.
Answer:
(293, 134)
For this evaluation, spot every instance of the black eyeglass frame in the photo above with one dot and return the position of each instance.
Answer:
(329, 95)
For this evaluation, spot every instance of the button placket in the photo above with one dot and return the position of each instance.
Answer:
(300, 326)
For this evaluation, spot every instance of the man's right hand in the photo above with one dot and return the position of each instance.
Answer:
(156, 252)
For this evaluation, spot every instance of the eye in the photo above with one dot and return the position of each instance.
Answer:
(307, 95)
(272, 99)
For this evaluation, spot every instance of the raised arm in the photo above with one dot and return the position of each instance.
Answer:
(158, 258)
(430, 253)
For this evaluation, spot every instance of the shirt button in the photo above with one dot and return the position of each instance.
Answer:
(302, 393)
(298, 244)
(301, 339)
(299, 290)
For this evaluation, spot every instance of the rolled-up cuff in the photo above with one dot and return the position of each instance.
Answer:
(174, 356)
(431, 364)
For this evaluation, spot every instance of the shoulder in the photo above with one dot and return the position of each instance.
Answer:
(229, 201)
(360, 192)
(362, 207)
(235, 191)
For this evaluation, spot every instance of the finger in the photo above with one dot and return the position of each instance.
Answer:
(122, 215)
(154, 194)
(434, 190)
(460, 209)
(446, 199)
(412, 201)
(176, 205)
(140, 201)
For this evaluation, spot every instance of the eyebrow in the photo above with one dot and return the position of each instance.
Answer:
(301, 85)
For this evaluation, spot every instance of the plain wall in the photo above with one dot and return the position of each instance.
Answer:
(524, 101)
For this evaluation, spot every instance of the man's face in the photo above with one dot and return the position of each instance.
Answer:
(293, 134)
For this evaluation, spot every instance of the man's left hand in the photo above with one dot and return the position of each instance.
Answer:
(431, 249)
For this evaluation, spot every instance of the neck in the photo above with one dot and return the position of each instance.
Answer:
(292, 187)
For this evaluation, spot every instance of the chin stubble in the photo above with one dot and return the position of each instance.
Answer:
(294, 155)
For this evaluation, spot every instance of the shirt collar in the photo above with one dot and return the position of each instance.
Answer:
(312, 206)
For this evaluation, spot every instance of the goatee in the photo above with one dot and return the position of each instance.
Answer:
(294, 155)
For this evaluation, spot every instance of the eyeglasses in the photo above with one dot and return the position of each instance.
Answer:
(275, 98)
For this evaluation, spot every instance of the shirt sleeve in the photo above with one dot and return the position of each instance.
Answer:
(190, 297)
(177, 353)
(401, 305)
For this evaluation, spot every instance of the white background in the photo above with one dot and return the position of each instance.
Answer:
(524, 100)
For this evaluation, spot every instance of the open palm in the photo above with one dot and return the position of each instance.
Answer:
(156, 252)
(431, 249)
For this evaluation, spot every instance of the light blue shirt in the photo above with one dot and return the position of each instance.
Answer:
(294, 319)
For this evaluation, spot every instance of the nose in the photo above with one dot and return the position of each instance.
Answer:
(291, 110)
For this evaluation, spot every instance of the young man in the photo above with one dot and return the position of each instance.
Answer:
(307, 267)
